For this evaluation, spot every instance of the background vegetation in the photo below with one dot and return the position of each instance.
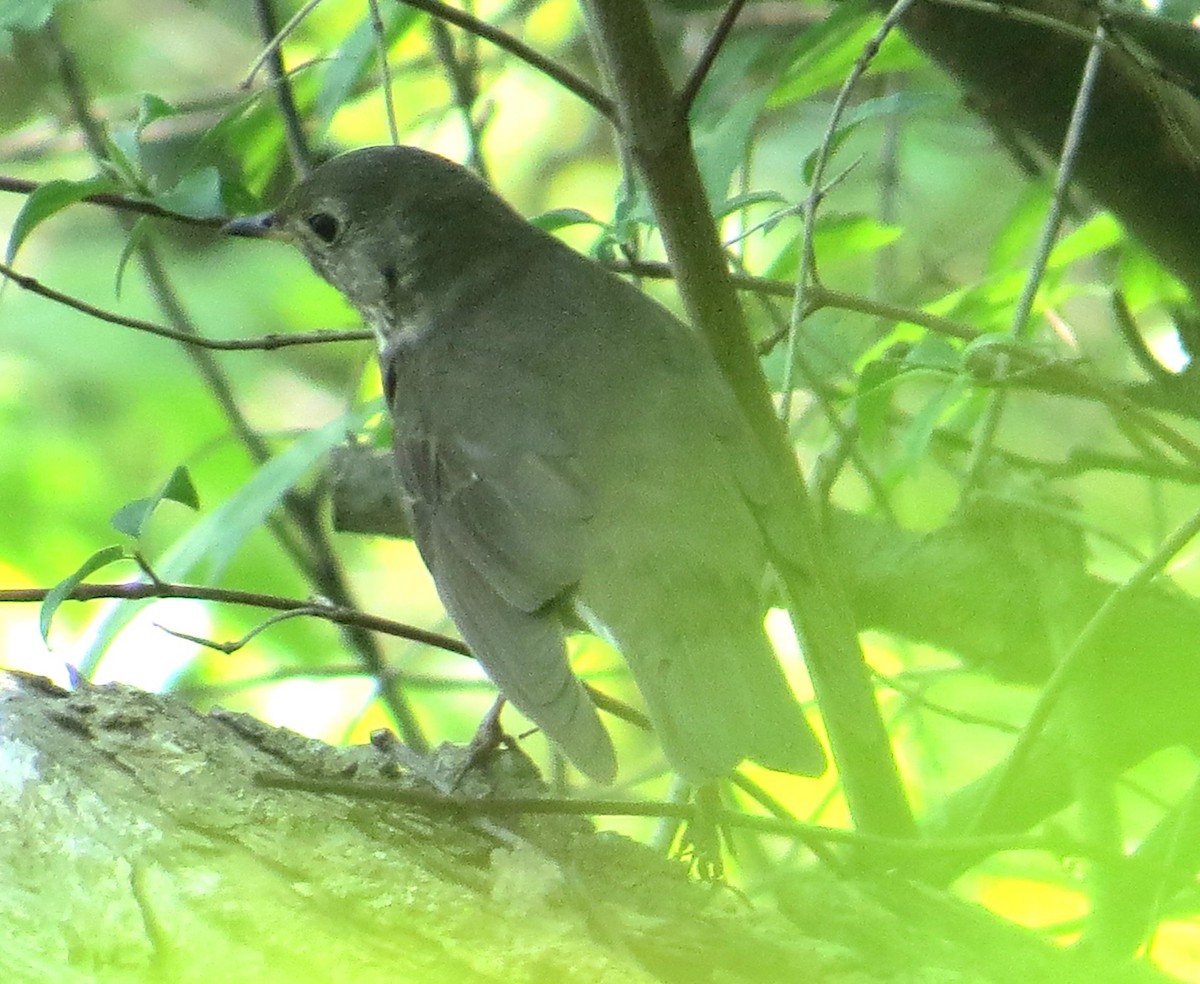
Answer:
(1003, 456)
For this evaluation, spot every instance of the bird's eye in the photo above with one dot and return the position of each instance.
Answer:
(324, 226)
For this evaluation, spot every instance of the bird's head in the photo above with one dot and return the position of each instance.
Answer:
(392, 228)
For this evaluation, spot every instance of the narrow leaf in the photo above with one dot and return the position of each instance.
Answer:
(49, 199)
(562, 218)
(62, 591)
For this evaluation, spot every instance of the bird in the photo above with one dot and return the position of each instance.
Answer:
(571, 459)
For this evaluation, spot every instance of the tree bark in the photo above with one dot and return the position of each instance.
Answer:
(142, 845)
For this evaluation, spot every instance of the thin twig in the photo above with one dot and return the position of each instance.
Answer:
(272, 47)
(293, 129)
(806, 276)
(338, 614)
(263, 343)
(1020, 327)
(506, 42)
(691, 88)
(465, 90)
(1024, 15)
(819, 296)
(494, 806)
(385, 72)
(22, 186)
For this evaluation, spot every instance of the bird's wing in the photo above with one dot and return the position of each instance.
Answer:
(677, 584)
(523, 653)
(675, 572)
(497, 513)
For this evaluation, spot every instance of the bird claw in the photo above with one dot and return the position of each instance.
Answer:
(488, 738)
(702, 841)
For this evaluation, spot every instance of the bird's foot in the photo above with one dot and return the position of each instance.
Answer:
(488, 738)
(700, 842)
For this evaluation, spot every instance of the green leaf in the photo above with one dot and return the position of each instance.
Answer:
(902, 102)
(49, 199)
(873, 401)
(840, 236)
(935, 352)
(197, 194)
(217, 537)
(220, 534)
(1145, 281)
(738, 202)
(61, 591)
(840, 136)
(981, 354)
(179, 488)
(562, 218)
(837, 237)
(125, 154)
(152, 108)
(937, 409)
(342, 74)
(897, 103)
(136, 234)
(1097, 234)
(726, 110)
(1015, 244)
(722, 144)
(131, 518)
(825, 53)
(1015, 241)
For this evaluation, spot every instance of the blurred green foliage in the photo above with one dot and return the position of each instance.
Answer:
(925, 210)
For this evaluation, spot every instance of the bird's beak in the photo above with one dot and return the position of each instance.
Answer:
(265, 225)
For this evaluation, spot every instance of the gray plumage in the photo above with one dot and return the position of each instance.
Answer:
(570, 452)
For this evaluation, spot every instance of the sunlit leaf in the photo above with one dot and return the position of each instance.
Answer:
(824, 55)
(1098, 233)
(342, 74)
(838, 237)
(1144, 281)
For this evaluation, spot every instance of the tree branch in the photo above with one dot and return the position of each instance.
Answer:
(660, 143)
